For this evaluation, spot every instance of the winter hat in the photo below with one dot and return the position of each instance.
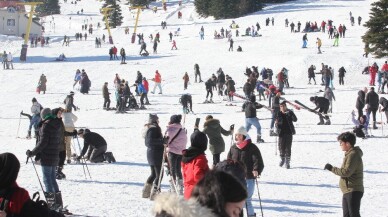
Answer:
(175, 119)
(242, 131)
(71, 93)
(199, 140)
(235, 168)
(252, 98)
(9, 169)
(34, 99)
(153, 118)
(231, 188)
(45, 112)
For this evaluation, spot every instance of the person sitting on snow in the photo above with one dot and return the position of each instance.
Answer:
(361, 128)
(61, 57)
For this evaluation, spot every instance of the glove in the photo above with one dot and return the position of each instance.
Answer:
(29, 153)
(231, 127)
(74, 133)
(328, 167)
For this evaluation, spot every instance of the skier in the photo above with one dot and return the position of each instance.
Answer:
(176, 143)
(42, 84)
(341, 75)
(323, 105)
(35, 119)
(336, 39)
(304, 40)
(209, 90)
(197, 73)
(185, 80)
(105, 95)
(251, 117)
(143, 48)
(94, 144)
(157, 80)
(231, 44)
(213, 129)
(330, 96)
(311, 74)
(48, 149)
(351, 169)
(248, 154)
(319, 44)
(285, 130)
(174, 45)
(372, 102)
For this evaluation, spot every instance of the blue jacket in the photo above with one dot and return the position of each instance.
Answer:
(141, 89)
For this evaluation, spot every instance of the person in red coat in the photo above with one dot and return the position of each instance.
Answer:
(194, 162)
(373, 71)
(146, 87)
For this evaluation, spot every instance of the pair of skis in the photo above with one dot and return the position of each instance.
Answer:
(311, 110)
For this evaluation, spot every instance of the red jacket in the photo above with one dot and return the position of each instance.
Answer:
(193, 171)
(158, 77)
(385, 67)
(373, 70)
(114, 50)
(145, 84)
(19, 197)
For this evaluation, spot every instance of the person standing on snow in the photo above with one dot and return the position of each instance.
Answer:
(373, 71)
(185, 80)
(35, 119)
(304, 40)
(330, 96)
(146, 87)
(174, 45)
(122, 54)
(351, 174)
(251, 116)
(209, 90)
(231, 44)
(105, 95)
(158, 80)
(372, 102)
(197, 73)
(319, 44)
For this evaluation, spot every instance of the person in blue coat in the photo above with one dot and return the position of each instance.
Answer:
(143, 93)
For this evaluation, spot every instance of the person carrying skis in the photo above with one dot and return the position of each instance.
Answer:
(213, 129)
(250, 107)
(351, 174)
(323, 105)
(248, 154)
(285, 130)
(94, 144)
(176, 143)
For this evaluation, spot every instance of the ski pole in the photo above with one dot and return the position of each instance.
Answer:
(20, 118)
(161, 168)
(83, 167)
(258, 193)
(87, 168)
(84, 162)
(37, 175)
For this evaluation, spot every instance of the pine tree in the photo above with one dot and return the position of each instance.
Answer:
(48, 7)
(135, 3)
(376, 37)
(202, 7)
(114, 16)
(222, 9)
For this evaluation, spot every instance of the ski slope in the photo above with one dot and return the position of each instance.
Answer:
(305, 190)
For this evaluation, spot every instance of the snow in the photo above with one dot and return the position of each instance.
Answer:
(115, 189)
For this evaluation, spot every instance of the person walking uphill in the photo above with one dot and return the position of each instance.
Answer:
(284, 122)
(351, 175)
(213, 130)
(47, 150)
(155, 150)
(194, 162)
(248, 154)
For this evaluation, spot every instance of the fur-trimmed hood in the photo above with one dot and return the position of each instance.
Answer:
(176, 206)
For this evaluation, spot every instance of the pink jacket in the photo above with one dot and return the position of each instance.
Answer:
(179, 143)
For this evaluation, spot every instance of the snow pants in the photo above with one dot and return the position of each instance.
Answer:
(351, 203)
(255, 122)
(68, 142)
(285, 143)
(97, 155)
(372, 78)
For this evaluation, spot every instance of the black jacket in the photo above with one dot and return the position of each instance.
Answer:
(249, 156)
(209, 84)
(311, 72)
(154, 143)
(248, 89)
(342, 72)
(250, 109)
(372, 100)
(93, 140)
(286, 120)
(321, 102)
(49, 140)
(384, 102)
(360, 103)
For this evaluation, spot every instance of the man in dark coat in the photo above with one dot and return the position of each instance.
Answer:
(360, 103)
(372, 102)
(323, 105)
(341, 75)
(248, 89)
(284, 122)
(105, 94)
(94, 144)
(384, 103)
(47, 150)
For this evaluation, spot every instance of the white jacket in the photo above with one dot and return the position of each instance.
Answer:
(9, 57)
(35, 108)
(69, 119)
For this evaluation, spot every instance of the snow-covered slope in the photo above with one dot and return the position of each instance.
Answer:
(115, 189)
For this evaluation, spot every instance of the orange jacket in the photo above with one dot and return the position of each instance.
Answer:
(158, 77)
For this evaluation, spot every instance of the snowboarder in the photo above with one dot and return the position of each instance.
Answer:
(251, 117)
(323, 105)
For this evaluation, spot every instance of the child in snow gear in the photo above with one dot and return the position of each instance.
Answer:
(249, 155)
(285, 130)
(213, 129)
(251, 117)
(94, 144)
(194, 162)
(323, 105)
(155, 151)
(361, 128)
(185, 101)
(351, 174)
(14, 200)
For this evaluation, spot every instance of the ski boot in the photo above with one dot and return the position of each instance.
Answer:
(288, 162)
(327, 122)
(282, 161)
(259, 139)
(146, 190)
(321, 122)
(59, 174)
(28, 135)
(36, 133)
(272, 133)
(50, 198)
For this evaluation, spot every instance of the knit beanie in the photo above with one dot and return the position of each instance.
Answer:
(153, 118)
(232, 189)
(9, 169)
(199, 140)
(242, 131)
(45, 112)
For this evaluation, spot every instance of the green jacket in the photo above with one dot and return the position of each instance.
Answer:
(213, 130)
(351, 171)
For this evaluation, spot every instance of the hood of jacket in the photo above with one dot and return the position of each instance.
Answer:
(357, 150)
(213, 123)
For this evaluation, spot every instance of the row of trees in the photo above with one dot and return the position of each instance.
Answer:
(222, 9)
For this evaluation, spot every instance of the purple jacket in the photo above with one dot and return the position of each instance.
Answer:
(179, 143)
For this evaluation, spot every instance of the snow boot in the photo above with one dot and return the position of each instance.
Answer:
(58, 205)
(259, 140)
(288, 159)
(211, 100)
(327, 122)
(146, 190)
(59, 174)
(253, 215)
(374, 125)
(155, 191)
(282, 161)
(321, 122)
(272, 133)
(50, 198)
